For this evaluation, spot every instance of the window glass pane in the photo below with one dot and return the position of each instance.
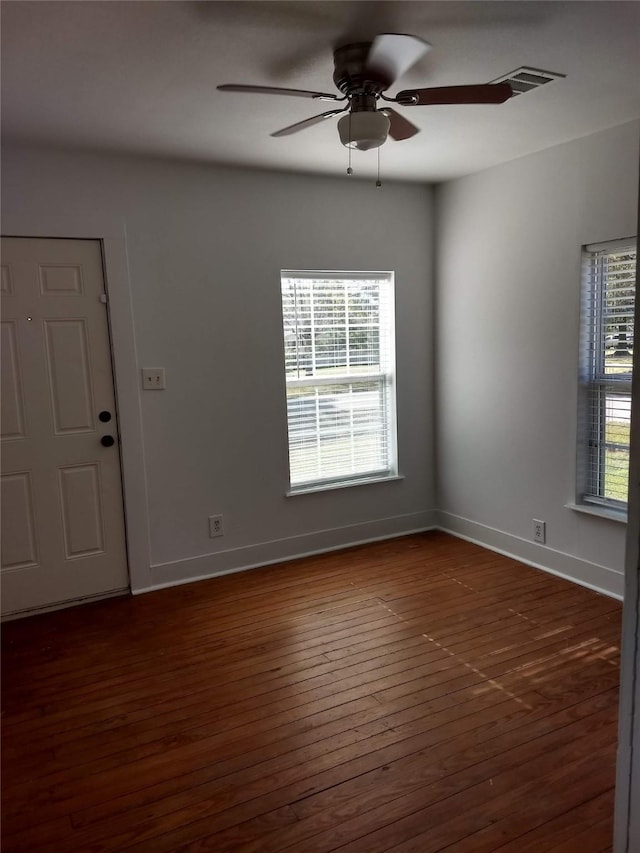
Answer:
(617, 441)
(618, 274)
(337, 431)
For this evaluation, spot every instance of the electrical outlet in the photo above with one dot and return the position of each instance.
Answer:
(153, 378)
(215, 526)
(539, 531)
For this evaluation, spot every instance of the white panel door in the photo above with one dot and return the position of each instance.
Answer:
(62, 512)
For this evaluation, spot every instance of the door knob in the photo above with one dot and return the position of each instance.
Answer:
(107, 441)
(105, 417)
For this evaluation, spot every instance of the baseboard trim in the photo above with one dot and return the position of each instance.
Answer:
(283, 550)
(591, 575)
(233, 560)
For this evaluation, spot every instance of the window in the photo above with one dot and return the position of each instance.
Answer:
(339, 368)
(607, 341)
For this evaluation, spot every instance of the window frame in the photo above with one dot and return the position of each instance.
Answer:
(384, 376)
(597, 388)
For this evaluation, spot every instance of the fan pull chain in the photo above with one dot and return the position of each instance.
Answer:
(349, 169)
(378, 181)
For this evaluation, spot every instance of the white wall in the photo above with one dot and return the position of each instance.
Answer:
(205, 246)
(507, 320)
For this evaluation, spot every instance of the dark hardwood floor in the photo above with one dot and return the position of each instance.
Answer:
(419, 694)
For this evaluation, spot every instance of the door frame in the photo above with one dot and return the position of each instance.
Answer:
(110, 232)
(627, 817)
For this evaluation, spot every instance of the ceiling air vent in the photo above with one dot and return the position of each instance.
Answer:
(524, 79)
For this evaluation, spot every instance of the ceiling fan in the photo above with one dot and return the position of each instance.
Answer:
(363, 73)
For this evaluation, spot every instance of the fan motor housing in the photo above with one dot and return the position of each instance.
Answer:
(350, 75)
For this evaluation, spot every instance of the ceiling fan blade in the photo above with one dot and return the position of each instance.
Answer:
(275, 90)
(400, 128)
(487, 93)
(308, 122)
(392, 54)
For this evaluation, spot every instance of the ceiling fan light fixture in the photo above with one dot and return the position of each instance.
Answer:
(364, 130)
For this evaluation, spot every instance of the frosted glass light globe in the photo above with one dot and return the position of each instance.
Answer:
(363, 130)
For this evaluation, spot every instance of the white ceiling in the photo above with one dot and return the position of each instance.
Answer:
(141, 77)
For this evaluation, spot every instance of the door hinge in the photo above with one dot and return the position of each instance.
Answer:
(103, 298)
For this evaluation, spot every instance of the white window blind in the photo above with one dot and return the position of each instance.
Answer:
(607, 341)
(339, 368)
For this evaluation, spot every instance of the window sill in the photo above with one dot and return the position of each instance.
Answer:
(600, 512)
(327, 487)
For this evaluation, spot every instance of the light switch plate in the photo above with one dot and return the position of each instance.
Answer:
(153, 378)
